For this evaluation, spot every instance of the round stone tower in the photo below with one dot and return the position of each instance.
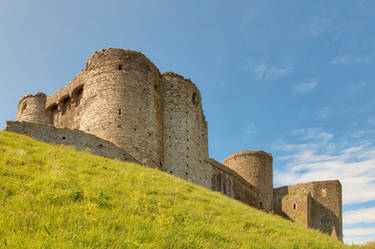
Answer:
(185, 130)
(122, 103)
(256, 168)
(32, 109)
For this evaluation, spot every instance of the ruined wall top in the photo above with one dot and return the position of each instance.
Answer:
(37, 95)
(247, 153)
(109, 57)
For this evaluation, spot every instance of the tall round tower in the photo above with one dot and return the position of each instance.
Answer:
(185, 130)
(32, 109)
(122, 103)
(256, 168)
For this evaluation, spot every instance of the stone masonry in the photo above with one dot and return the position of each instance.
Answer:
(120, 106)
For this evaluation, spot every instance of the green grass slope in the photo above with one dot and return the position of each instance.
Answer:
(55, 197)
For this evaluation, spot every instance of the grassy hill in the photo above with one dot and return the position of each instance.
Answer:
(55, 197)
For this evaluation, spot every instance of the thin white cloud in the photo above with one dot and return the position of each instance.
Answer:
(317, 26)
(323, 113)
(312, 134)
(352, 59)
(250, 130)
(306, 86)
(371, 121)
(359, 85)
(360, 231)
(317, 157)
(364, 215)
(268, 72)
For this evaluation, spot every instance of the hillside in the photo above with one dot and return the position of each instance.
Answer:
(55, 197)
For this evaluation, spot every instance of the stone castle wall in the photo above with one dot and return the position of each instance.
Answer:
(157, 119)
(230, 183)
(122, 103)
(80, 140)
(325, 208)
(185, 131)
(256, 168)
(31, 108)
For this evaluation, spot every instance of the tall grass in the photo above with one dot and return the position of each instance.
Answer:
(55, 197)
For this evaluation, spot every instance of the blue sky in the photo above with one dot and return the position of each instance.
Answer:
(294, 78)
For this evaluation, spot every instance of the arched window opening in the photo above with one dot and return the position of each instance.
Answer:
(294, 206)
(66, 105)
(77, 95)
(119, 67)
(54, 109)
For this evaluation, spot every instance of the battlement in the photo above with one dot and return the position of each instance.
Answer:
(121, 106)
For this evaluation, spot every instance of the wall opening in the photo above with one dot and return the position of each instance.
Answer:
(261, 205)
(195, 99)
(54, 114)
(324, 192)
(54, 108)
(119, 67)
(77, 95)
(66, 105)
(119, 111)
(294, 206)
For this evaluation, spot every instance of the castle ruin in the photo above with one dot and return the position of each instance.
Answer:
(120, 106)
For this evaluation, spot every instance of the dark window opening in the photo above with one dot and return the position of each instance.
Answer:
(261, 205)
(66, 105)
(294, 206)
(186, 173)
(195, 99)
(77, 95)
(119, 67)
(187, 165)
(119, 111)
(124, 155)
(156, 86)
(54, 108)
(100, 145)
(171, 172)
(135, 129)
(63, 137)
